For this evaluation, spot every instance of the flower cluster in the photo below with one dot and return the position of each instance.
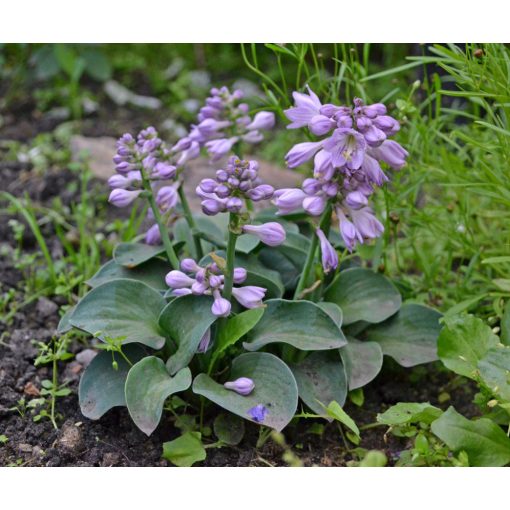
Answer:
(209, 281)
(222, 123)
(347, 167)
(144, 157)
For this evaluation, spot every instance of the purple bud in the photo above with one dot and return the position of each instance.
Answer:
(329, 254)
(192, 152)
(222, 190)
(356, 200)
(262, 120)
(330, 188)
(320, 125)
(262, 192)
(244, 385)
(178, 280)
(258, 413)
(208, 185)
(391, 153)
(253, 137)
(301, 153)
(348, 231)
(272, 233)
(209, 127)
(249, 296)
(122, 197)
(363, 123)
(218, 148)
(181, 292)
(205, 341)
(221, 176)
(288, 199)
(234, 204)
(164, 170)
(212, 206)
(123, 167)
(221, 306)
(366, 223)
(182, 145)
(199, 288)
(314, 205)
(373, 110)
(215, 281)
(388, 124)
(166, 198)
(372, 170)
(323, 165)
(153, 236)
(119, 181)
(240, 274)
(374, 136)
(311, 186)
(189, 266)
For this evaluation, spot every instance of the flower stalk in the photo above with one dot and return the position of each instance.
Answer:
(191, 222)
(231, 251)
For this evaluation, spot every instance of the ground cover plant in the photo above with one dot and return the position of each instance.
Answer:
(269, 307)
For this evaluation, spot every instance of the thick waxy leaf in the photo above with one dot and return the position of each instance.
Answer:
(229, 428)
(152, 273)
(362, 362)
(484, 442)
(122, 308)
(133, 254)
(321, 379)
(185, 320)
(301, 324)
(333, 310)
(409, 412)
(246, 243)
(64, 324)
(148, 385)
(185, 450)
(364, 296)
(182, 233)
(410, 336)
(495, 371)
(281, 265)
(463, 342)
(275, 389)
(102, 387)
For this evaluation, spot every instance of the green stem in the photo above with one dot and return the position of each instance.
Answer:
(324, 224)
(191, 222)
(231, 251)
(170, 252)
(53, 391)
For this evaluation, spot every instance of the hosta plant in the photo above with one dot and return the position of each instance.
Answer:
(249, 308)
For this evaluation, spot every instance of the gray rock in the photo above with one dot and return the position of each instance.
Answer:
(85, 357)
(121, 96)
(45, 307)
(70, 439)
(25, 448)
(98, 151)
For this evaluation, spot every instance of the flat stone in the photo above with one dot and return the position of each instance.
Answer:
(45, 307)
(70, 438)
(110, 459)
(85, 357)
(98, 151)
(25, 448)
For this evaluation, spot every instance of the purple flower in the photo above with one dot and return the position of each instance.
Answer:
(306, 107)
(314, 205)
(261, 192)
(320, 125)
(243, 385)
(189, 265)
(204, 342)
(181, 292)
(163, 170)
(348, 231)
(288, 199)
(372, 170)
(221, 306)
(272, 233)
(249, 296)
(218, 148)
(166, 198)
(366, 223)
(262, 120)
(178, 280)
(258, 413)
(119, 181)
(391, 153)
(347, 147)
(212, 206)
(234, 204)
(122, 197)
(323, 165)
(153, 235)
(301, 153)
(240, 275)
(356, 200)
(329, 254)
(192, 152)
(211, 126)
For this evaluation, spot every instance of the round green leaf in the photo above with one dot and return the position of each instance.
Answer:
(152, 273)
(364, 296)
(301, 324)
(133, 254)
(495, 371)
(185, 450)
(362, 362)
(246, 243)
(148, 385)
(186, 319)
(275, 388)
(102, 387)
(333, 310)
(229, 428)
(122, 308)
(410, 336)
(281, 265)
(321, 379)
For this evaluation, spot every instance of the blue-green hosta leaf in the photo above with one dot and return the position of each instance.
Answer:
(133, 254)
(122, 308)
(334, 311)
(364, 296)
(186, 320)
(281, 264)
(409, 412)
(275, 389)
(102, 387)
(362, 362)
(484, 442)
(301, 324)
(463, 342)
(148, 385)
(152, 273)
(410, 336)
(321, 379)
(229, 428)
(494, 370)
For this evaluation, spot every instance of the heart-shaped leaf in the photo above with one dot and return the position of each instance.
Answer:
(133, 254)
(246, 243)
(463, 342)
(301, 324)
(152, 273)
(122, 308)
(364, 296)
(333, 310)
(148, 385)
(495, 371)
(186, 320)
(484, 442)
(362, 362)
(409, 412)
(185, 450)
(280, 264)
(102, 387)
(229, 428)
(275, 389)
(321, 379)
(64, 325)
(410, 336)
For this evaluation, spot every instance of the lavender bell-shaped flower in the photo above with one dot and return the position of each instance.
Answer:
(221, 306)
(178, 280)
(250, 296)
(243, 385)
(205, 341)
(258, 413)
(329, 254)
(301, 153)
(306, 107)
(287, 200)
(123, 197)
(271, 233)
